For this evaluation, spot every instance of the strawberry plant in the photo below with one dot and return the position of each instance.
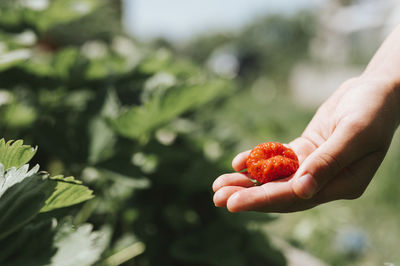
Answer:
(29, 232)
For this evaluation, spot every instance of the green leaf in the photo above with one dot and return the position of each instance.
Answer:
(102, 140)
(23, 247)
(141, 120)
(61, 11)
(15, 153)
(29, 193)
(102, 136)
(18, 115)
(163, 60)
(64, 61)
(68, 191)
(22, 202)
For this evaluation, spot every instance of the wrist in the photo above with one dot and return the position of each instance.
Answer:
(389, 88)
(384, 66)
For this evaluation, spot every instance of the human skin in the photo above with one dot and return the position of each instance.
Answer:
(339, 151)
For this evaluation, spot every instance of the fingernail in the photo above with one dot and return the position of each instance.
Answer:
(232, 202)
(305, 186)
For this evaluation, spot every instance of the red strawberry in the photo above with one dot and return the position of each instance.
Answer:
(270, 161)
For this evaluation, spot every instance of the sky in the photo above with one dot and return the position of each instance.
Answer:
(179, 20)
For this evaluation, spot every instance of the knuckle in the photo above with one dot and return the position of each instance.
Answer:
(329, 161)
(356, 124)
(266, 194)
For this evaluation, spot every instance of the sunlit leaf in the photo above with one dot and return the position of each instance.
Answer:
(102, 135)
(15, 153)
(141, 120)
(61, 11)
(19, 115)
(68, 191)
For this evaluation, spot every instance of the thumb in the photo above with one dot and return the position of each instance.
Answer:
(325, 162)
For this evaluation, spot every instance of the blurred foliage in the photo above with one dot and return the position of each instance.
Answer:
(268, 46)
(259, 58)
(133, 123)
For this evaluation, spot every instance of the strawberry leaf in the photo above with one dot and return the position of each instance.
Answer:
(68, 191)
(22, 202)
(160, 109)
(15, 154)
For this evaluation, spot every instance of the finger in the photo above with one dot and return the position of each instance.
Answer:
(270, 197)
(233, 179)
(239, 162)
(344, 146)
(351, 182)
(222, 195)
(302, 147)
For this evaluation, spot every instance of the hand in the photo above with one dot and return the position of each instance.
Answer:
(339, 153)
